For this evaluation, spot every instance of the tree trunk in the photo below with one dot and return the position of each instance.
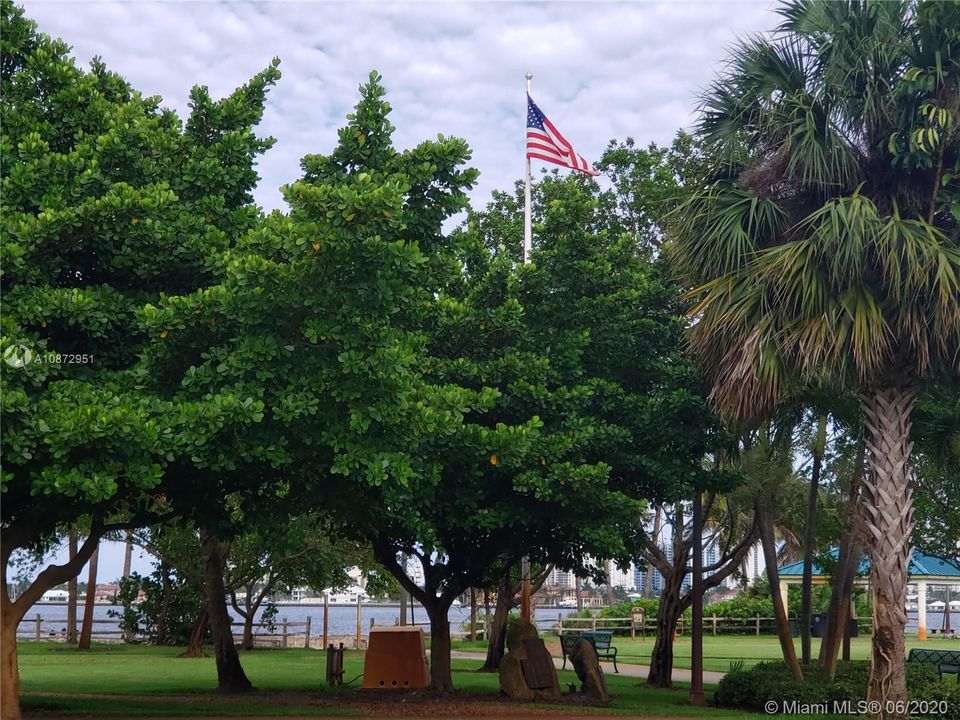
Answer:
(247, 642)
(440, 676)
(72, 591)
(848, 560)
(473, 614)
(769, 546)
(12, 611)
(809, 537)
(9, 673)
(496, 643)
(195, 646)
(888, 519)
(648, 576)
(230, 675)
(668, 614)
(248, 616)
(579, 593)
(86, 629)
(248, 612)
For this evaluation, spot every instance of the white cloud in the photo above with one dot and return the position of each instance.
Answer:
(603, 70)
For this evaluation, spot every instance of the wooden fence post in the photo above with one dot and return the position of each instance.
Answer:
(306, 642)
(326, 608)
(714, 623)
(283, 641)
(594, 622)
(758, 624)
(39, 622)
(633, 624)
(334, 665)
(359, 623)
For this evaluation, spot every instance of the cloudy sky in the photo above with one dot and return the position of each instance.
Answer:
(601, 70)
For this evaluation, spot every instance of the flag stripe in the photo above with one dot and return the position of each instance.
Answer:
(549, 149)
(545, 142)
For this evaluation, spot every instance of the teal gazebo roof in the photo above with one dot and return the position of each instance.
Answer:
(922, 567)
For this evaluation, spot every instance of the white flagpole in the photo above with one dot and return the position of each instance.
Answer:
(526, 612)
(527, 225)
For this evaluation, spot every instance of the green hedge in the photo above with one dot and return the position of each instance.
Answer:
(772, 681)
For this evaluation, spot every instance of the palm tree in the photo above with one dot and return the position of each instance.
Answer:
(824, 250)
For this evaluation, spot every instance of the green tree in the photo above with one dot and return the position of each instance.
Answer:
(936, 434)
(825, 249)
(280, 552)
(318, 318)
(606, 323)
(108, 202)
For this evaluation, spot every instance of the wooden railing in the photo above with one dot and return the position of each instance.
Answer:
(639, 623)
(282, 632)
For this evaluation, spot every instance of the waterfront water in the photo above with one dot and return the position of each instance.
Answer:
(342, 620)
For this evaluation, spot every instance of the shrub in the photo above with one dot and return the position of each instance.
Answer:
(751, 689)
(157, 619)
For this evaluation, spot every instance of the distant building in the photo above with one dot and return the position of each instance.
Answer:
(560, 579)
(106, 592)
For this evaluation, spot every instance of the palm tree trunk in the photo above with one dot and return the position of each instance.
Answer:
(809, 536)
(473, 614)
(127, 564)
(888, 519)
(86, 629)
(848, 559)
(72, 591)
(768, 543)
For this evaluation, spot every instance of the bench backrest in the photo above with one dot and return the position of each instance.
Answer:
(951, 657)
(602, 639)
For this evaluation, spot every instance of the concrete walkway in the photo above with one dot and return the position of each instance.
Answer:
(639, 671)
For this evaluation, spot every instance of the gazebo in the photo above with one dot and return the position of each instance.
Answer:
(923, 570)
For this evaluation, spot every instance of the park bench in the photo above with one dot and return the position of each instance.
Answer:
(946, 661)
(601, 640)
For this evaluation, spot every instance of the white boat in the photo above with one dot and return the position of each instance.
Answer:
(567, 603)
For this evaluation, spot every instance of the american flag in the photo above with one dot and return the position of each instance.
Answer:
(544, 142)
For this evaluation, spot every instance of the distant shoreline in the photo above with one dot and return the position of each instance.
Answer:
(294, 603)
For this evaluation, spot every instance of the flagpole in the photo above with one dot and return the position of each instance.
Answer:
(527, 225)
(525, 604)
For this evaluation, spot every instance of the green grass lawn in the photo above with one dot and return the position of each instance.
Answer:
(720, 651)
(132, 681)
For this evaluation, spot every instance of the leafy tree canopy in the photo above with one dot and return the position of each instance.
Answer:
(108, 202)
